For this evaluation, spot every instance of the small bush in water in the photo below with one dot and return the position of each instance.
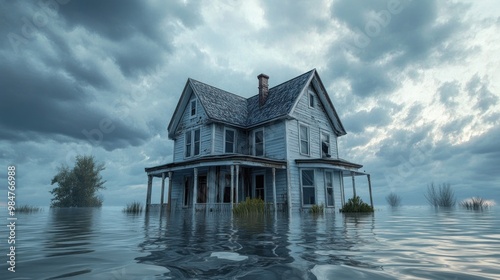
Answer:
(356, 205)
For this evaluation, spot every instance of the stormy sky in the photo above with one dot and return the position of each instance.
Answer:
(416, 84)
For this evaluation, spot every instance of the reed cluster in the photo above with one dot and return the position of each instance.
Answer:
(476, 203)
(28, 209)
(133, 208)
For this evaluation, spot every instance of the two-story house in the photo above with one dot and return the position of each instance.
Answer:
(279, 145)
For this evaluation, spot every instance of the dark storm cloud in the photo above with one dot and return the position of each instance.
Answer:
(478, 89)
(448, 93)
(48, 87)
(387, 37)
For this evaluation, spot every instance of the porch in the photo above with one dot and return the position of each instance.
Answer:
(217, 183)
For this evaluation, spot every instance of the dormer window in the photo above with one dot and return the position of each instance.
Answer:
(193, 107)
(325, 145)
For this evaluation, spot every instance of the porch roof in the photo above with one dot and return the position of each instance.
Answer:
(348, 168)
(217, 160)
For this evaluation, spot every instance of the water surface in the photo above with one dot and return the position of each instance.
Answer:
(406, 243)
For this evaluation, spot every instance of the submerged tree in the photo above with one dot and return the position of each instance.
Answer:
(77, 187)
(393, 200)
(443, 196)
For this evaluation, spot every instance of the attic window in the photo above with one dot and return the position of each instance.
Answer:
(311, 99)
(193, 107)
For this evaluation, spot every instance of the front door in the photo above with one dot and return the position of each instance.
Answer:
(259, 182)
(202, 190)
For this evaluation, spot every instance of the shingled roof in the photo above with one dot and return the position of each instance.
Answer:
(221, 105)
(230, 108)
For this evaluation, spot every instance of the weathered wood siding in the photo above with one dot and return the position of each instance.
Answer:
(189, 123)
(274, 144)
(317, 120)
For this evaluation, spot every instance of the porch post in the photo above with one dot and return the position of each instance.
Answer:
(370, 189)
(195, 187)
(274, 190)
(353, 185)
(148, 194)
(342, 193)
(162, 189)
(237, 167)
(232, 186)
(170, 174)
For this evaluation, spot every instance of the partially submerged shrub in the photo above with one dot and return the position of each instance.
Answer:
(317, 209)
(476, 203)
(393, 200)
(28, 209)
(442, 196)
(134, 208)
(356, 205)
(250, 206)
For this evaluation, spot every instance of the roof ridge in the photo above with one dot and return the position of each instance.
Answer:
(287, 81)
(236, 95)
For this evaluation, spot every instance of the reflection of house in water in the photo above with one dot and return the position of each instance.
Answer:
(279, 145)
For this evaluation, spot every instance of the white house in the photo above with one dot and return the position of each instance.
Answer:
(279, 145)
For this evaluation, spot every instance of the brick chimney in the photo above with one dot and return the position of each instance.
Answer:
(263, 88)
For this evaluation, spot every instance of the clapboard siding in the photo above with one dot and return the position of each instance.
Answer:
(190, 123)
(317, 120)
(274, 146)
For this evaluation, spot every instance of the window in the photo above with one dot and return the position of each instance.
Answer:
(259, 186)
(308, 193)
(192, 143)
(193, 107)
(188, 143)
(196, 142)
(304, 139)
(329, 188)
(258, 142)
(229, 140)
(311, 99)
(325, 145)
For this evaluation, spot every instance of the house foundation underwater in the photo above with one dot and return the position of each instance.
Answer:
(279, 145)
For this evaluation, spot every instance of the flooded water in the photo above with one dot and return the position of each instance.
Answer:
(406, 243)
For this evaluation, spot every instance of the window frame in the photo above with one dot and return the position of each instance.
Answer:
(192, 143)
(308, 140)
(310, 99)
(302, 186)
(324, 132)
(191, 115)
(188, 141)
(254, 142)
(226, 129)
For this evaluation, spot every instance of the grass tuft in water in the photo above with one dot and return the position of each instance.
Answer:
(442, 196)
(476, 203)
(393, 200)
(317, 209)
(251, 206)
(28, 209)
(356, 205)
(133, 208)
